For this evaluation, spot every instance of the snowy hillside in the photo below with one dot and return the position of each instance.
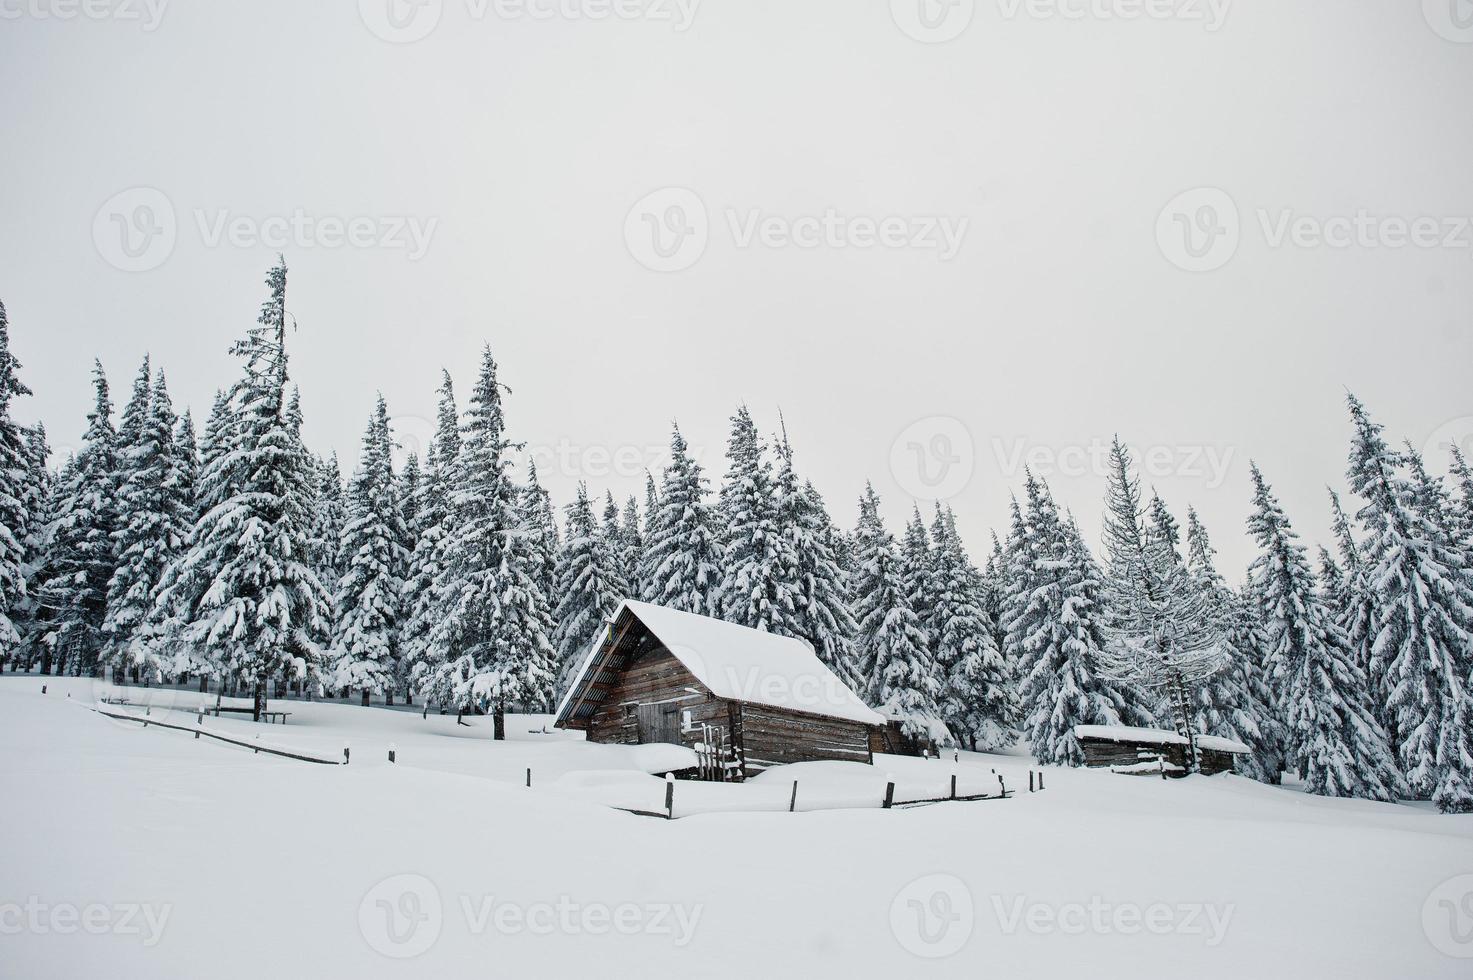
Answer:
(147, 852)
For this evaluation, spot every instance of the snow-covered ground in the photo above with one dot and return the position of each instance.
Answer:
(133, 852)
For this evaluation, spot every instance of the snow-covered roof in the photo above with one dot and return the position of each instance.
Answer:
(739, 664)
(1158, 736)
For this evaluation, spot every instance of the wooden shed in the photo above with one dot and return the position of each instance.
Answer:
(1146, 751)
(745, 700)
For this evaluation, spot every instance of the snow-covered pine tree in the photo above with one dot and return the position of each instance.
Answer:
(16, 472)
(821, 615)
(373, 557)
(493, 621)
(683, 555)
(436, 517)
(539, 517)
(37, 499)
(915, 551)
(631, 543)
(1162, 639)
(614, 539)
(755, 590)
(214, 443)
(638, 585)
(156, 514)
(133, 435)
(1422, 620)
(1463, 506)
(329, 514)
(253, 604)
(589, 587)
(407, 485)
(979, 698)
(75, 592)
(1336, 743)
(1054, 620)
(1232, 702)
(893, 654)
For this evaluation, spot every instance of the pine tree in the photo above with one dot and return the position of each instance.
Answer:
(82, 540)
(16, 471)
(1463, 507)
(1422, 620)
(493, 621)
(589, 588)
(613, 534)
(1161, 637)
(979, 700)
(1054, 620)
(821, 614)
(1233, 703)
(892, 644)
(37, 501)
(638, 584)
(683, 555)
(155, 515)
(539, 517)
(915, 550)
(407, 489)
(436, 520)
(1335, 741)
(252, 604)
(755, 590)
(373, 557)
(329, 514)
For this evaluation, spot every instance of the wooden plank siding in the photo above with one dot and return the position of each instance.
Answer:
(656, 677)
(775, 736)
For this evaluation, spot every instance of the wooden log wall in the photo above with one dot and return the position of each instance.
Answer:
(655, 678)
(774, 736)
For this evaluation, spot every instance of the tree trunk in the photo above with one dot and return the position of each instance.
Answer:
(365, 697)
(259, 704)
(498, 722)
(389, 698)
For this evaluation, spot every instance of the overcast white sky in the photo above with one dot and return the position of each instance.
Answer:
(522, 146)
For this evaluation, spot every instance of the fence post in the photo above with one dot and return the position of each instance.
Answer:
(889, 793)
(529, 777)
(669, 796)
(43, 688)
(1002, 785)
(1040, 780)
(953, 786)
(793, 802)
(393, 753)
(346, 757)
(1030, 780)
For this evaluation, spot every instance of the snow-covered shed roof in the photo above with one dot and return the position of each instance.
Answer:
(1158, 736)
(733, 662)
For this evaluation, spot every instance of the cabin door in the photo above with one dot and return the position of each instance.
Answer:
(659, 723)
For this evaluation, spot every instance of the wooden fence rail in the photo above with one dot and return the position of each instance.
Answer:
(198, 731)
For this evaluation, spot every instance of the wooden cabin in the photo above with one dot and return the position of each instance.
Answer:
(745, 700)
(1150, 751)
